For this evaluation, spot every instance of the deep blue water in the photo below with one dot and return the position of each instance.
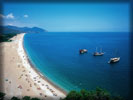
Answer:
(56, 55)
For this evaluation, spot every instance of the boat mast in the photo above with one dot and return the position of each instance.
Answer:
(101, 50)
(96, 49)
(116, 53)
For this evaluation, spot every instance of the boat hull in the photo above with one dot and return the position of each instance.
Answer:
(98, 54)
(114, 60)
(83, 51)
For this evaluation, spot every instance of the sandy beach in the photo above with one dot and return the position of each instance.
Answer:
(19, 78)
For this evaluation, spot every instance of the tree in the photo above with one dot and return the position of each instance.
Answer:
(73, 95)
(15, 98)
(85, 95)
(118, 98)
(26, 98)
(2, 95)
(35, 99)
(101, 94)
(97, 94)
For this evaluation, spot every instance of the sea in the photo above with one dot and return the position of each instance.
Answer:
(56, 55)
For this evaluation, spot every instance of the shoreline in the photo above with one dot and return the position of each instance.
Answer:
(43, 76)
(52, 89)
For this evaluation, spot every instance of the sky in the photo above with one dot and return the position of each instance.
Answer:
(69, 17)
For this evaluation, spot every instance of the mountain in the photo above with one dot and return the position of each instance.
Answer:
(6, 30)
(17, 30)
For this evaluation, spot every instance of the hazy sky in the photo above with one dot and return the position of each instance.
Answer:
(69, 17)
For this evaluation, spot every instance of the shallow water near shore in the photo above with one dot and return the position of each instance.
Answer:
(56, 55)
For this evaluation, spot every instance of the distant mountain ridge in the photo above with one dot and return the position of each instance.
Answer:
(14, 29)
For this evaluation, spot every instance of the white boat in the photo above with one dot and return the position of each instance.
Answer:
(98, 53)
(83, 51)
(114, 60)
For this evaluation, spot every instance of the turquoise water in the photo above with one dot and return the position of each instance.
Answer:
(56, 55)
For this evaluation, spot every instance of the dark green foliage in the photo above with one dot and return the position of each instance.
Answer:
(15, 98)
(118, 98)
(26, 98)
(6, 37)
(73, 95)
(85, 94)
(2, 95)
(35, 99)
(98, 94)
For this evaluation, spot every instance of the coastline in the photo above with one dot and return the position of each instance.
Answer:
(19, 78)
(52, 90)
(41, 75)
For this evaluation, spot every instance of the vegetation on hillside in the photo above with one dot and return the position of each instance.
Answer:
(98, 94)
(2, 95)
(9, 29)
(6, 37)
